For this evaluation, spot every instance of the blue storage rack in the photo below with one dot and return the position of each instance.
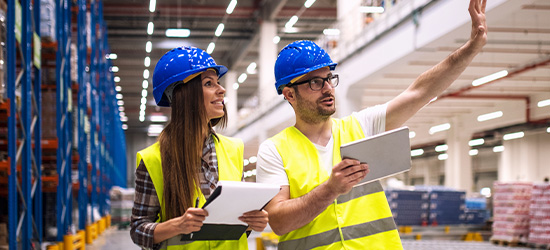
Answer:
(96, 108)
(25, 222)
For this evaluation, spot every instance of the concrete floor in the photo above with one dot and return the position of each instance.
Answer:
(113, 239)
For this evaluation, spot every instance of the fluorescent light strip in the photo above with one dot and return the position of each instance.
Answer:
(210, 48)
(242, 78)
(252, 159)
(120, 102)
(235, 86)
(147, 61)
(124, 126)
(251, 69)
(145, 74)
(498, 149)
(490, 78)
(152, 5)
(219, 30)
(439, 128)
(331, 32)
(141, 118)
(417, 152)
(476, 142)
(158, 118)
(178, 32)
(148, 47)
(144, 93)
(308, 3)
(548, 130)
(117, 79)
(112, 56)
(118, 96)
(114, 69)
(117, 88)
(371, 9)
(121, 109)
(231, 7)
(145, 84)
(291, 22)
(412, 134)
(489, 116)
(441, 148)
(512, 136)
(276, 39)
(443, 157)
(543, 103)
(473, 152)
(150, 28)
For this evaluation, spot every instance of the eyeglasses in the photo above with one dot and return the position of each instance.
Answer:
(318, 83)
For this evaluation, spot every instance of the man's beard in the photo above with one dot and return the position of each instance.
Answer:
(312, 112)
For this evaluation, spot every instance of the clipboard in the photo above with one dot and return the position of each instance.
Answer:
(230, 200)
(387, 153)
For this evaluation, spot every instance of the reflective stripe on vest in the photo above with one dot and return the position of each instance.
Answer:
(357, 220)
(229, 153)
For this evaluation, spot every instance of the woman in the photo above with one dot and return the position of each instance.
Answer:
(175, 175)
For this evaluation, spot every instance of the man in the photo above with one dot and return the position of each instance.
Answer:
(318, 205)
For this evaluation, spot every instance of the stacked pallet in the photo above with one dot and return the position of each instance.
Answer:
(476, 210)
(447, 207)
(511, 212)
(122, 202)
(409, 208)
(539, 213)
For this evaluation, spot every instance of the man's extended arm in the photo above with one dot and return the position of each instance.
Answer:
(434, 81)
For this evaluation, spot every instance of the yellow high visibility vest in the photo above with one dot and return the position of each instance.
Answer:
(229, 152)
(360, 219)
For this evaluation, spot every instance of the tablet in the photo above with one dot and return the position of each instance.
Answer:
(387, 153)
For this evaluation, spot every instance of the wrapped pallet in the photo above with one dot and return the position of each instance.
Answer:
(511, 202)
(122, 202)
(539, 213)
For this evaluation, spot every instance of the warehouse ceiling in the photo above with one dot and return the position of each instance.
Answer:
(237, 47)
(519, 41)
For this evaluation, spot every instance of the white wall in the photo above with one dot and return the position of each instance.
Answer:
(135, 141)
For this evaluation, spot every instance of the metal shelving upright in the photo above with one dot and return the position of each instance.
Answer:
(64, 117)
(24, 129)
(82, 110)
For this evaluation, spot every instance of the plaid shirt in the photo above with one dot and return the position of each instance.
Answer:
(146, 204)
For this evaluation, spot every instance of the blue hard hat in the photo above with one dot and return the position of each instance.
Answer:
(299, 58)
(176, 65)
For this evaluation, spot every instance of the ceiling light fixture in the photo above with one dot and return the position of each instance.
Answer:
(145, 74)
(124, 126)
(498, 149)
(291, 22)
(144, 93)
(147, 61)
(231, 7)
(331, 32)
(152, 5)
(251, 69)
(120, 102)
(116, 78)
(148, 47)
(473, 152)
(439, 128)
(158, 118)
(443, 157)
(543, 103)
(210, 48)
(235, 86)
(242, 78)
(178, 32)
(141, 118)
(219, 29)
(412, 134)
(112, 56)
(417, 152)
(512, 136)
(114, 69)
(118, 96)
(371, 9)
(308, 3)
(489, 116)
(476, 142)
(441, 148)
(145, 84)
(150, 28)
(118, 88)
(490, 78)
(276, 39)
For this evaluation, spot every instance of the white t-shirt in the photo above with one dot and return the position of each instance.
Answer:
(269, 167)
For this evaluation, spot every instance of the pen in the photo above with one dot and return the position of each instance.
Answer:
(197, 203)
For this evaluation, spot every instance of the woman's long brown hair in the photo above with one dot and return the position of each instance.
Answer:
(181, 144)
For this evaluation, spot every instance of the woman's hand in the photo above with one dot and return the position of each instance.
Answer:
(256, 219)
(191, 220)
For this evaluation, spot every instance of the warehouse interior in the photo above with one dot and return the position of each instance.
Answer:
(76, 101)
